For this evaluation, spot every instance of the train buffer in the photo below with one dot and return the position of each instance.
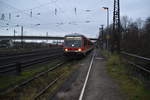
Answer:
(90, 82)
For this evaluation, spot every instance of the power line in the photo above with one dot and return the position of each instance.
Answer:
(37, 7)
(33, 17)
(21, 11)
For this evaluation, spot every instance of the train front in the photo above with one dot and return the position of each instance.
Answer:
(73, 45)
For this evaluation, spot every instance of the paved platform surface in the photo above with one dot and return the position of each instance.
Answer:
(100, 86)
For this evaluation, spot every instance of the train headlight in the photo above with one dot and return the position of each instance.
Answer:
(66, 49)
(79, 49)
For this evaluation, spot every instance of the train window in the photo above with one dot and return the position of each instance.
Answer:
(85, 42)
(73, 42)
(90, 43)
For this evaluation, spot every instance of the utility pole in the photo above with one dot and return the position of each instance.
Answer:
(102, 35)
(9, 16)
(14, 35)
(99, 39)
(31, 13)
(22, 36)
(47, 37)
(116, 27)
(75, 10)
(55, 11)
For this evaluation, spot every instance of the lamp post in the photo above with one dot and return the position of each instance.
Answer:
(106, 8)
(107, 36)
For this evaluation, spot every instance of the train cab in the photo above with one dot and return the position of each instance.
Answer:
(77, 44)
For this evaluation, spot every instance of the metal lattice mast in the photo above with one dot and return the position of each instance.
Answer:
(116, 27)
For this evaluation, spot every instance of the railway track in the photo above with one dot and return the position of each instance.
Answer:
(17, 63)
(41, 93)
(47, 87)
(17, 88)
(16, 52)
(27, 55)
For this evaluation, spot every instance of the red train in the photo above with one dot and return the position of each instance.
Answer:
(77, 44)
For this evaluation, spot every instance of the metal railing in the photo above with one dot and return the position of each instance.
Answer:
(136, 56)
(139, 58)
(140, 66)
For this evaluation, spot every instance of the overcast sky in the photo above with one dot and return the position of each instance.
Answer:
(86, 20)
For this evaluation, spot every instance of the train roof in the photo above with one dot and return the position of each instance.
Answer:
(74, 34)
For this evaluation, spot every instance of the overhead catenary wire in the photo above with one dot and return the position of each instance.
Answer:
(31, 11)
(37, 7)
(26, 13)
(37, 23)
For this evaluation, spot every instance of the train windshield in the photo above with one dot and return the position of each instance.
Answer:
(73, 42)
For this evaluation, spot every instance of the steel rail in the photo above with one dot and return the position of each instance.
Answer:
(87, 77)
(47, 87)
(137, 56)
(12, 67)
(34, 77)
(40, 74)
(29, 51)
(21, 59)
(26, 55)
(138, 66)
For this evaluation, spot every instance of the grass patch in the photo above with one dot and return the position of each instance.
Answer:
(105, 53)
(131, 86)
(66, 70)
(8, 80)
(29, 91)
